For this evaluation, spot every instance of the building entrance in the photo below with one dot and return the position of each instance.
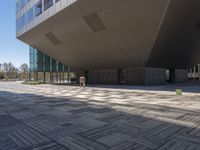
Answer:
(170, 75)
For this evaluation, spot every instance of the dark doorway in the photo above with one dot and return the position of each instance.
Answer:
(121, 76)
(170, 75)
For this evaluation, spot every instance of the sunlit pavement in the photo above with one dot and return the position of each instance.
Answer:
(53, 117)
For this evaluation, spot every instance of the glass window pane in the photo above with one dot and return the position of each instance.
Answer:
(38, 8)
(47, 4)
(22, 3)
(17, 6)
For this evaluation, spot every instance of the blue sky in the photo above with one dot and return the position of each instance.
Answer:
(11, 49)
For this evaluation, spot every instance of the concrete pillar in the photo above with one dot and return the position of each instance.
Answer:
(60, 79)
(51, 77)
(36, 76)
(30, 76)
(199, 71)
(44, 77)
(63, 76)
(69, 79)
(194, 73)
(57, 77)
(190, 73)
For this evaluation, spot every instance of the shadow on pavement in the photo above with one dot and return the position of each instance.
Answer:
(29, 121)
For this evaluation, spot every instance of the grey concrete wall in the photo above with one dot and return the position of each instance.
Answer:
(108, 76)
(145, 76)
(135, 76)
(155, 76)
(181, 75)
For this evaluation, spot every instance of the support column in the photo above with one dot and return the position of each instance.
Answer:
(36, 78)
(194, 74)
(29, 75)
(44, 68)
(57, 77)
(63, 76)
(51, 77)
(199, 71)
(69, 79)
(60, 80)
(190, 74)
(44, 78)
(51, 70)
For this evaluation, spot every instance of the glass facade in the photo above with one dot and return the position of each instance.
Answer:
(40, 62)
(38, 8)
(21, 4)
(47, 4)
(29, 12)
(33, 12)
(25, 19)
(46, 69)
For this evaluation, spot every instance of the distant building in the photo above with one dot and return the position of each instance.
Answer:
(144, 42)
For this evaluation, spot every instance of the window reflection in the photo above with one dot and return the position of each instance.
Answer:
(25, 19)
(47, 4)
(33, 12)
(38, 8)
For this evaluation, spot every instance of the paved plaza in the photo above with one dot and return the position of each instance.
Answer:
(60, 117)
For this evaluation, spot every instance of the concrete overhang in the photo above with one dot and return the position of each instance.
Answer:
(100, 34)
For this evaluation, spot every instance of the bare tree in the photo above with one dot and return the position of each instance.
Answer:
(1, 72)
(5, 70)
(24, 69)
(10, 71)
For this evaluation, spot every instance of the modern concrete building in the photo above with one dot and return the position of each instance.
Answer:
(144, 42)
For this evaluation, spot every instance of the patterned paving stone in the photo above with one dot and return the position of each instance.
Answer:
(182, 143)
(168, 131)
(111, 140)
(7, 120)
(1, 112)
(23, 116)
(42, 126)
(89, 122)
(7, 144)
(80, 143)
(68, 130)
(49, 117)
(46, 146)
(100, 132)
(27, 137)
(129, 145)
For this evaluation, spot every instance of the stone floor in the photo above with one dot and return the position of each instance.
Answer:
(51, 117)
